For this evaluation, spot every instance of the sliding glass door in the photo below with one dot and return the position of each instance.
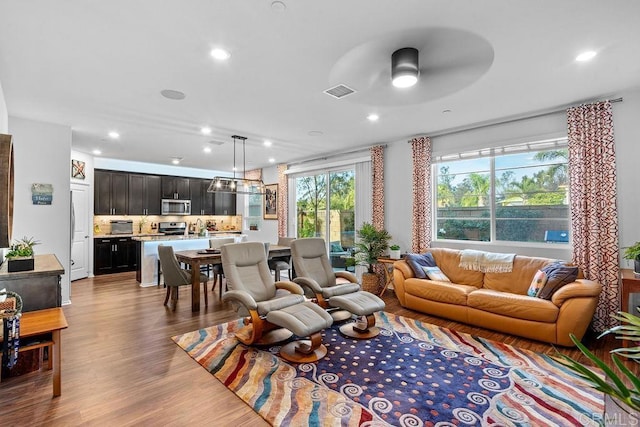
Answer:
(325, 207)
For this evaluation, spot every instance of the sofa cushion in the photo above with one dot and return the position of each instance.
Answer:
(445, 292)
(512, 305)
(538, 282)
(417, 261)
(518, 280)
(434, 273)
(449, 260)
(558, 275)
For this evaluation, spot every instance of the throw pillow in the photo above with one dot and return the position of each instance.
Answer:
(434, 273)
(336, 247)
(558, 275)
(538, 282)
(417, 261)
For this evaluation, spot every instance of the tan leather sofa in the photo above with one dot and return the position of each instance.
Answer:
(499, 301)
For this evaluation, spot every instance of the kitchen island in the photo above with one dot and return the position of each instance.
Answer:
(147, 269)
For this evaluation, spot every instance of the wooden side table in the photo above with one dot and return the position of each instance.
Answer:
(387, 263)
(46, 325)
(630, 285)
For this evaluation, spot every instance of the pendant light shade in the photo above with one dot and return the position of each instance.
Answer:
(236, 185)
(404, 67)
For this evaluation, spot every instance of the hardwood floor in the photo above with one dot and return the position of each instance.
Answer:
(120, 367)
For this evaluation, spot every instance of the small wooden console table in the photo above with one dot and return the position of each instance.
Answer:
(44, 327)
(387, 263)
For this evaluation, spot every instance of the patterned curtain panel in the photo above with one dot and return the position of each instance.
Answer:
(594, 216)
(421, 227)
(377, 185)
(283, 201)
(253, 174)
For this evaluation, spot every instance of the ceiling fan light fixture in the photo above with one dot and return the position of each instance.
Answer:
(404, 67)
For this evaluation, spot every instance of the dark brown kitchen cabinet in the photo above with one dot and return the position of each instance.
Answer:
(114, 255)
(175, 187)
(224, 203)
(111, 193)
(201, 200)
(144, 194)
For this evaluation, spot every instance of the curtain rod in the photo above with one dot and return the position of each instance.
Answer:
(336, 154)
(481, 125)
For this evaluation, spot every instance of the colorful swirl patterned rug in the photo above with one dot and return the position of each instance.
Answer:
(412, 374)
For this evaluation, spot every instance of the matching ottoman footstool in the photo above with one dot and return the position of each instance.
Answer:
(363, 304)
(304, 320)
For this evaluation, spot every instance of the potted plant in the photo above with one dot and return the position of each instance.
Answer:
(372, 244)
(626, 390)
(394, 252)
(20, 255)
(633, 253)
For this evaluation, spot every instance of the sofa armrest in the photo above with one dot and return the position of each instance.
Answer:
(404, 268)
(401, 272)
(581, 288)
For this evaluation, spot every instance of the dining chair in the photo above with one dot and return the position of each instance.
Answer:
(174, 275)
(281, 262)
(218, 271)
(273, 311)
(315, 274)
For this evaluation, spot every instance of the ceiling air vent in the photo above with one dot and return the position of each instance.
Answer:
(339, 91)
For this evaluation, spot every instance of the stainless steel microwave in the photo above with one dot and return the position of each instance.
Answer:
(176, 207)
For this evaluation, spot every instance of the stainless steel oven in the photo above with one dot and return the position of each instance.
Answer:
(176, 207)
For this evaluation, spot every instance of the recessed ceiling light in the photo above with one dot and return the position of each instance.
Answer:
(207, 149)
(206, 130)
(373, 117)
(176, 160)
(586, 56)
(114, 135)
(176, 95)
(97, 152)
(272, 160)
(267, 143)
(220, 54)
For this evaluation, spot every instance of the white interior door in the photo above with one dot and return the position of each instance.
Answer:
(80, 240)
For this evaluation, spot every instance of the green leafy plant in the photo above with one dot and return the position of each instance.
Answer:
(22, 247)
(394, 247)
(632, 252)
(371, 244)
(626, 393)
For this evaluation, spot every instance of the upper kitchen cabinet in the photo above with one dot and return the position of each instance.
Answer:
(175, 187)
(144, 194)
(201, 200)
(111, 193)
(224, 203)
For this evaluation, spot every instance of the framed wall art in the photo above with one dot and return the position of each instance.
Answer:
(77, 169)
(270, 206)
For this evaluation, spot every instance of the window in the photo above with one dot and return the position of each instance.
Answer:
(515, 194)
(253, 212)
(327, 198)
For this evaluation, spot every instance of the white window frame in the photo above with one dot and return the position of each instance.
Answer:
(492, 153)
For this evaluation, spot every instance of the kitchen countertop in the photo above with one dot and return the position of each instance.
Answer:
(176, 237)
(181, 237)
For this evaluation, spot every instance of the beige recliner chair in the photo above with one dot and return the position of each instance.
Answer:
(314, 272)
(274, 310)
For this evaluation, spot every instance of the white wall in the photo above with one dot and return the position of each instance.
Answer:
(42, 155)
(4, 115)
(398, 165)
(627, 137)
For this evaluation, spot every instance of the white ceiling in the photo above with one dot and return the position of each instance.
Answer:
(99, 66)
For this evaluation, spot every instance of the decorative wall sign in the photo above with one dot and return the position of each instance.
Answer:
(41, 194)
(77, 169)
(270, 201)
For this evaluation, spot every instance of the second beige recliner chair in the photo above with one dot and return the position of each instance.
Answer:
(314, 272)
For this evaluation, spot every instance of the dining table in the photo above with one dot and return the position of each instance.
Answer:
(196, 258)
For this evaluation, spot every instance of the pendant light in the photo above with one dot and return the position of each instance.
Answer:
(238, 185)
